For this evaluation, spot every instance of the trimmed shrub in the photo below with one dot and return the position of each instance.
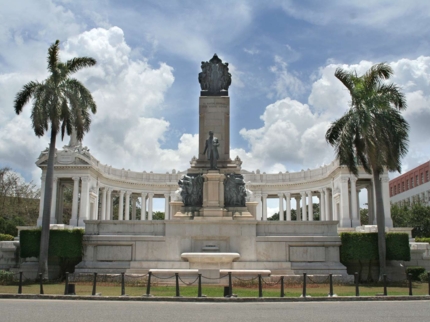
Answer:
(415, 271)
(29, 242)
(6, 237)
(62, 243)
(358, 247)
(422, 239)
(66, 245)
(424, 277)
(364, 247)
(398, 246)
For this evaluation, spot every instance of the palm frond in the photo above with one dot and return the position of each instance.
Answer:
(75, 64)
(24, 95)
(346, 78)
(53, 58)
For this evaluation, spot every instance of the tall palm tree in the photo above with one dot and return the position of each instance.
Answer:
(64, 103)
(372, 134)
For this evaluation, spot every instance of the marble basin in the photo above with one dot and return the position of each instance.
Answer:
(210, 258)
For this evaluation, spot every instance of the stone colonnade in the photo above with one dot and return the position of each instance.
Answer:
(96, 203)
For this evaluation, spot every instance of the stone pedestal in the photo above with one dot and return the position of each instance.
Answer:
(214, 115)
(213, 195)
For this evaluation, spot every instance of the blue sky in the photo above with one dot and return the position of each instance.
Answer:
(282, 56)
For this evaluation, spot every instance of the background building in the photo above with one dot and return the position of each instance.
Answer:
(412, 186)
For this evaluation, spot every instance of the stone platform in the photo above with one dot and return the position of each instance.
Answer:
(284, 248)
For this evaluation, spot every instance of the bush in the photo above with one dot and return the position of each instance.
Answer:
(364, 247)
(422, 240)
(398, 246)
(5, 277)
(6, 237)
(424, 277)
(358, 247)
(66, 245)
(62, 243)
(415, 271)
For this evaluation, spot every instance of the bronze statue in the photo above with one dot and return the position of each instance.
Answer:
(211, 148)
(214, 79)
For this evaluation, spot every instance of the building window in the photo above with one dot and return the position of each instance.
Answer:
(399, 187)
(407, 184)
(427, 175)
(417, 180)
(422, 178)
(412, 182)
(395, 190)
(403, 186)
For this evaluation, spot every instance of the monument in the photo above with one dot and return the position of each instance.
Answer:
(215, 211)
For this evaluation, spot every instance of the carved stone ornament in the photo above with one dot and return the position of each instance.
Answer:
(214, 79)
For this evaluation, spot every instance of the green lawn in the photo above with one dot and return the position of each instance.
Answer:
(320, 290)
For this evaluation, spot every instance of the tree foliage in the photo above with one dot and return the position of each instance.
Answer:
(19, 202)
(416, 216)
(63, 104)
(372, 133)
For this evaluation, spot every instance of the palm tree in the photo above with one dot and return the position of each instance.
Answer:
(64, 103)
(372, 134)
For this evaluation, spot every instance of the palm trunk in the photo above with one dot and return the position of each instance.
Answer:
(44, 238)
(380, 222)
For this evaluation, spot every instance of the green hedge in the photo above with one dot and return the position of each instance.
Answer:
(415, 271)
(6, 237)
(364, 247)
(358, 247)
(422, 239)
(62, 243)
(398, 246)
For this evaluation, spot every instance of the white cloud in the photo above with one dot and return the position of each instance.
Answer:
(286, 84)
(293, 134)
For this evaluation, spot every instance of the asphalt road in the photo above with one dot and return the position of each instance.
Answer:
(86, 311)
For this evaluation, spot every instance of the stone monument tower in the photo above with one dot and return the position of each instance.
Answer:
(213, 186)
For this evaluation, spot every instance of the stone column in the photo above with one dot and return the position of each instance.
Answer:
(370, 204)
(166, 206)
(60, 198)
(150, 196)
(143, 207)
(121, 205)
(133, 207)
(85, 204)
(358, 206)
(103, 212)
(42, 197)
(298, 210)
(74, 218)
(95, 214)
(310, 207)
(127, 205)
(264, 217)
(322, 206)
(355, 221)
(328, 215)
(344, 218)
(386, 199)
(108, 204)
(257, 197)
(281, 206)
(53, 219)
(288, 205)
(303, 194)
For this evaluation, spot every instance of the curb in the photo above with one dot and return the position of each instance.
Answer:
(213, 299)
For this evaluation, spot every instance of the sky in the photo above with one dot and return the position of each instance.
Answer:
(282, 56)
